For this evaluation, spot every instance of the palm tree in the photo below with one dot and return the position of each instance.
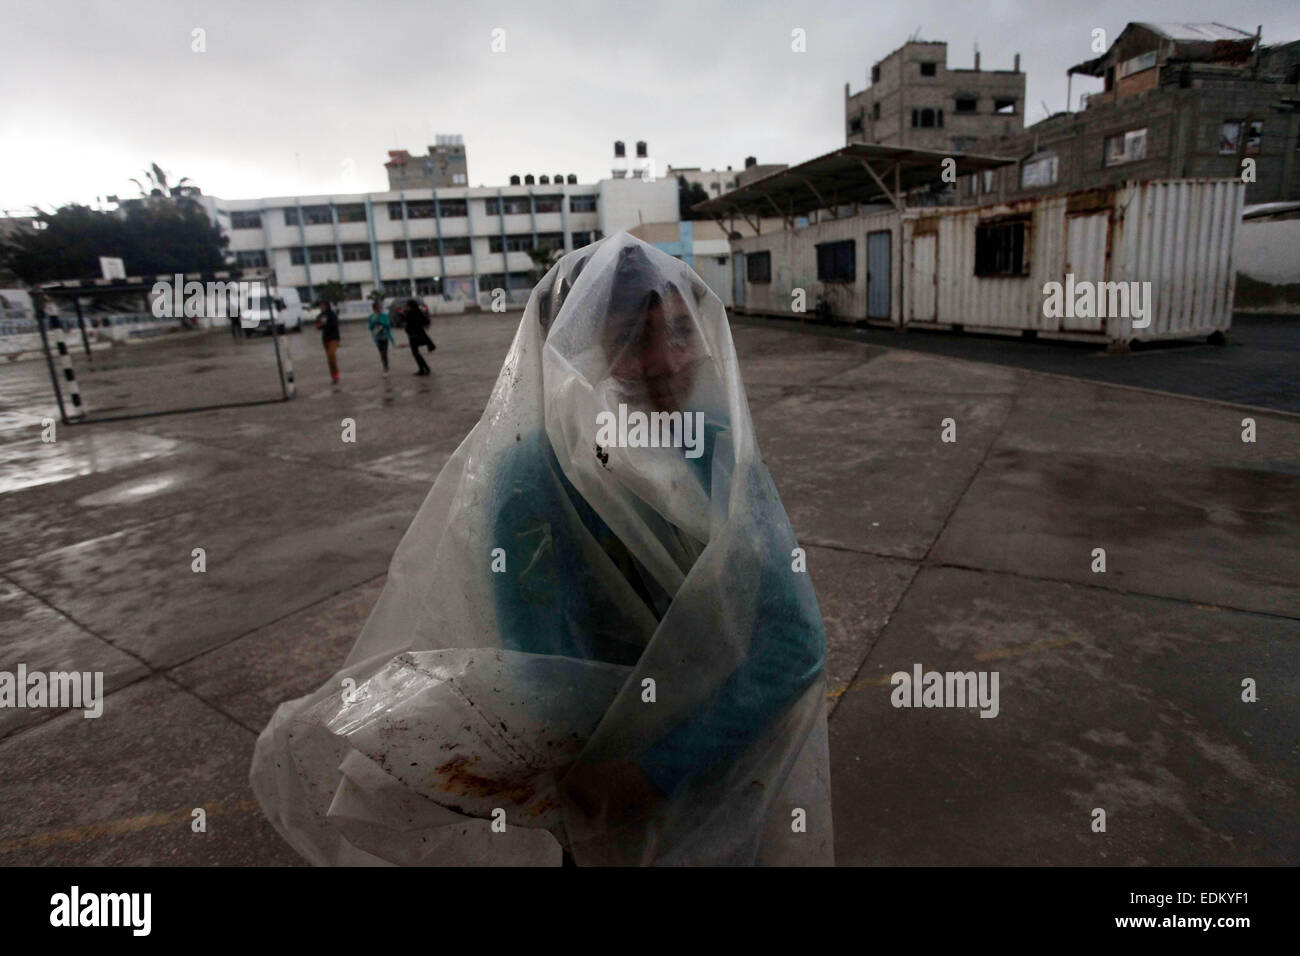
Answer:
(158, 187)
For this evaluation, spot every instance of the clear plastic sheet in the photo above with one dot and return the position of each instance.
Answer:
(583, 643)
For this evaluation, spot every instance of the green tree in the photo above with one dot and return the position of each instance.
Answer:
(163, 232)
(688, 194)
(332, 292)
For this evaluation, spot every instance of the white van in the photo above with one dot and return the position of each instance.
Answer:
(288, 313)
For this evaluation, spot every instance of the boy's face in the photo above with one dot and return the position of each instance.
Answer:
(658, 356)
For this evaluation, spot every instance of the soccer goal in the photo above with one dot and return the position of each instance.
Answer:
(140, 347)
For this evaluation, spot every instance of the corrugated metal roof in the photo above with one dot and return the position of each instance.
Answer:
(841, 177)
(1198, 31)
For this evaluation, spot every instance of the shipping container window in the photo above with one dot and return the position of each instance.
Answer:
(1000, 248)
(927, 69)
(836, 261)
(1126, 147)
(758, 267)
(967, 104)
(1004, 106)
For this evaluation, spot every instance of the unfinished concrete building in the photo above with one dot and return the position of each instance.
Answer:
(914, 99)
(445, 165)
(1180, 101)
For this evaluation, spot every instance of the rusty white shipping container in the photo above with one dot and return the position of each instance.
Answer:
(989, 268)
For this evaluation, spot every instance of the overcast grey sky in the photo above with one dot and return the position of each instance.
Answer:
(296, 97)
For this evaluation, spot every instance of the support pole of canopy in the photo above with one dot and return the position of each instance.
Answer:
(891, 195)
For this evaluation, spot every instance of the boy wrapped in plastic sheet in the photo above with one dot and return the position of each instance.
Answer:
(591, 637)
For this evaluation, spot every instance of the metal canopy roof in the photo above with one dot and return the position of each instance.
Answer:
(859, 172)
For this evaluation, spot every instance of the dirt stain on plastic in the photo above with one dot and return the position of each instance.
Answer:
(459, 778)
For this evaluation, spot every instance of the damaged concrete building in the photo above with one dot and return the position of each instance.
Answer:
(1180, 100)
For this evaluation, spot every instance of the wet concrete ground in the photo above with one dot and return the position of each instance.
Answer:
(1119, 690)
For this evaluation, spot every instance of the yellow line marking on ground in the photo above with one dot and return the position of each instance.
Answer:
(123, 825)
(1030, 648)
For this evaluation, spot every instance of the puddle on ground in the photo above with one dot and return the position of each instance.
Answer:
(78, 451)
(129, 492)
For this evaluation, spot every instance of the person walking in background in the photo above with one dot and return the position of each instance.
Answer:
(415, 322)
(328, 323)
(381, 330)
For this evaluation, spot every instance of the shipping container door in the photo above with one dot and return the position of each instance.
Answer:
(1085, 259)
(878, 274)
(738, 280)
(925, 274)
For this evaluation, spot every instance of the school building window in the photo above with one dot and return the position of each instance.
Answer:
(352, 212)
(356, 252)
(510, 205)
(311, 216)
(582, 203)
(510, 243)
(245, 220)
(251, 259)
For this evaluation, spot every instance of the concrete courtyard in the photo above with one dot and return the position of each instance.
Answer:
(1120, 690)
